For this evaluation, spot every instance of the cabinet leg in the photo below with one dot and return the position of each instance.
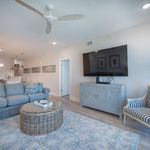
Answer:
(125, 118)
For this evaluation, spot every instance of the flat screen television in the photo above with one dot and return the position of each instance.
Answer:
(107, 62)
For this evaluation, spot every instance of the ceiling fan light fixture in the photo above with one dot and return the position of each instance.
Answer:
(51, 19)
(146, 6)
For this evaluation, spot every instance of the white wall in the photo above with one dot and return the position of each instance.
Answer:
(8, 63)
(138, 40)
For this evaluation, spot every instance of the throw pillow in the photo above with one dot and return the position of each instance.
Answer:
(33, 88)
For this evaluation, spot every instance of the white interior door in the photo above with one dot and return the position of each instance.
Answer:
(65, 77)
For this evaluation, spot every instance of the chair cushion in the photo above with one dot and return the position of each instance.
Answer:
(147, 102)
(2, 90)
(36, 97)
(33, 88)
(14, 89)
(3, 102)
(141, 113)
(17, 99)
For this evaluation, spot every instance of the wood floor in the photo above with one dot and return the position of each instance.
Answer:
(113, 120)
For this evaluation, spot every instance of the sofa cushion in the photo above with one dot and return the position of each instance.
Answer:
(33, 88)
(3, 102)
(14, 89)
(36, 97)
(2, 90)
(17, 99)
(141, 113)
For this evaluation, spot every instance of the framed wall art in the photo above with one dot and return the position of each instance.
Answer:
(27, 70)
(36, 69)
(49, 68)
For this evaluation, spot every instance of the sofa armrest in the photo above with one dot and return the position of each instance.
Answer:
(46, 91)
(136, 102)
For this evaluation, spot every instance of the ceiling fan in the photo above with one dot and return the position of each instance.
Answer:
(50, 18)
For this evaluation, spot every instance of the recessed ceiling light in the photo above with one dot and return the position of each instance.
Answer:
(1, 50)
(1, 65)
(146, 6)
(54, 43)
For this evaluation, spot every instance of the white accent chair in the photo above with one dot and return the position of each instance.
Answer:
(139, 109)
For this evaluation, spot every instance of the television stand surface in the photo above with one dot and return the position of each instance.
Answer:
(103, 83)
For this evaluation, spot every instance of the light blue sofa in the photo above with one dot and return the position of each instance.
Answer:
(12, 97)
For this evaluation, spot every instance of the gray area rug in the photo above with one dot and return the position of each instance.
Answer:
(76, 133)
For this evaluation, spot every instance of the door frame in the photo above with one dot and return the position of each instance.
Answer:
(61, 59)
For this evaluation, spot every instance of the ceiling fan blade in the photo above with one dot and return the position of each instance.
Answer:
(48, 28)
(71, 17)
(29, 7)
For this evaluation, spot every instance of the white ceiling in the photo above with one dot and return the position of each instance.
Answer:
(22, 30)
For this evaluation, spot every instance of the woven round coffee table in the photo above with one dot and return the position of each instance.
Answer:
(36, 121)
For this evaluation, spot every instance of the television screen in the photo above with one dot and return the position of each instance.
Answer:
(106, 62)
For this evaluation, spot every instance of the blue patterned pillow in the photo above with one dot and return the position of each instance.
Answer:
(32, 88)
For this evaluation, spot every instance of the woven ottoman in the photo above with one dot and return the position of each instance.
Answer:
(36, 121)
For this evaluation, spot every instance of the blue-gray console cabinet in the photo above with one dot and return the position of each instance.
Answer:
(106, 97)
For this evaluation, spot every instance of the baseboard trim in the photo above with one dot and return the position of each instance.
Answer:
(72, 98)
(75, 99)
